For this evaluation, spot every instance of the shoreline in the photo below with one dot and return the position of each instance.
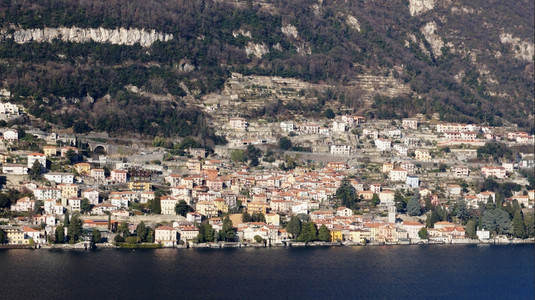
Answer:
(224, 245)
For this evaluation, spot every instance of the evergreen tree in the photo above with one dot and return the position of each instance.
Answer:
(529, 222)
(471, 228)
(85, 206)
(346, 193)
(413, 206)
(155, 206)
(519, 229)
(59, 235)
(324, 234)
(3, 237)
(66, 220)
(309, 233)
(182, 208)
(294, 226)
(462, 211)
(401, 205)
(245, 217)
(96, 236)
(74, 231)
(227, 231)
(375, 200)
(141, 232)
(423, 234)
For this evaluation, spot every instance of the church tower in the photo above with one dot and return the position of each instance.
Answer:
(391, 214)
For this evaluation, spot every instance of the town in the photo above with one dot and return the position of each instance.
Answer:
(337, 180)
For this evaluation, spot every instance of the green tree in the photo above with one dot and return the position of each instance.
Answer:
(182, 208)
(3, 237)
(66, 219)
(375, 200)
(497, 221)
(96, 236)
(74, 231)
(141, 232)
(206, 233)
(35, 171)
(309, 233)
(423, 234)
(59, 235)
(155, 205)
(324, 234)
(85, 206)
(519, 228)
(329, 113)
(122, 230)
(245, 217)
(72, 156)
(227, 231)
(346, 193)
(413, 206)
(258, 239)
(471, 228)
(462, 211)
(285, 143)
(401, 204)
(294, 226)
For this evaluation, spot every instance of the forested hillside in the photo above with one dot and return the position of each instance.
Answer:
(468, 61)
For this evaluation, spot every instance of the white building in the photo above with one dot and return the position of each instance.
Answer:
(45, 193)
(40, 157)
(92, 195)
(409, 124)
(11, 135)
(398, 175)
(412, 181)
(340, 149)
(383, 144)
(238, 123)
(498, 172)
(287, 126)
(422, 155)
(60, 177)
(14, 169)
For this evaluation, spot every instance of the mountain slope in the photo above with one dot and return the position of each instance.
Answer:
(468, 61)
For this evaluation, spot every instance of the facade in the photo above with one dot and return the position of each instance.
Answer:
(383, 144)
(238, 123)
(118, 176)
(340, 149)
(39, 157)
(422, 155)
(409, 124)
(14, 169)
(59, 177)
(498, 172)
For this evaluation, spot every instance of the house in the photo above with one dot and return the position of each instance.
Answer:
(45, 193)
(39, 157)
(75, 203)
(11, 135)
(273, 219)
(386, 197)
(412, 228)
(23, 204)
(387, 167)
(50, 150)
(188, 233)
(422, 155)
(52, 207)
(454, 190)
(8, 108)
(145, 197)
(238, 123)
(82, 168)
(343, 211)
(287, 126)
(443, 224)
(98, 175)
(257, 207)
(460, 171)
(412, 181)
(118, 176)
(59, 177)
(167, 204)
(398, 175)
(16, 236)
(140, 185)
(101, 209)
(166, 235)
(339, 126)
(68, 190)
(498, 172)
(119, 202)
(383, 144)
(375, 188)
(409, 124)
(64, 150)
(14, 169)
(337, 165)
(340, 149)
(194, 217)
(401, 149)
(173, 180)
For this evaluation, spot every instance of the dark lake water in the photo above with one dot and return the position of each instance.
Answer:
(386, 272)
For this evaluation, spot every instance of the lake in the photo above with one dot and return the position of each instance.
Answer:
(373, 272)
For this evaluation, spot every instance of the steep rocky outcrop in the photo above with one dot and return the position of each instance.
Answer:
(417, 7)
(522, 49)
(119, 36)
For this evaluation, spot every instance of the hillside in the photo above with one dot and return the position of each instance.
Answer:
(150, 66)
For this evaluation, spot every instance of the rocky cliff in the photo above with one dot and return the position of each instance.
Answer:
(119, 36)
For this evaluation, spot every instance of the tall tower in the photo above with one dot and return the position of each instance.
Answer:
(391, 214)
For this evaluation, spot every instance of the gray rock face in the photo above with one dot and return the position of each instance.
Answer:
(119, 36)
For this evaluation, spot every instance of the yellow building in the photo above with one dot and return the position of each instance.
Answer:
(207, 209)
(273, 219)
(50, 150)
(82, 168)
(358, 235)
(221, 205)
(387, 167)
(16, 236)
(140, 186)
(256, 207)
(68, 190)
(336, 235)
